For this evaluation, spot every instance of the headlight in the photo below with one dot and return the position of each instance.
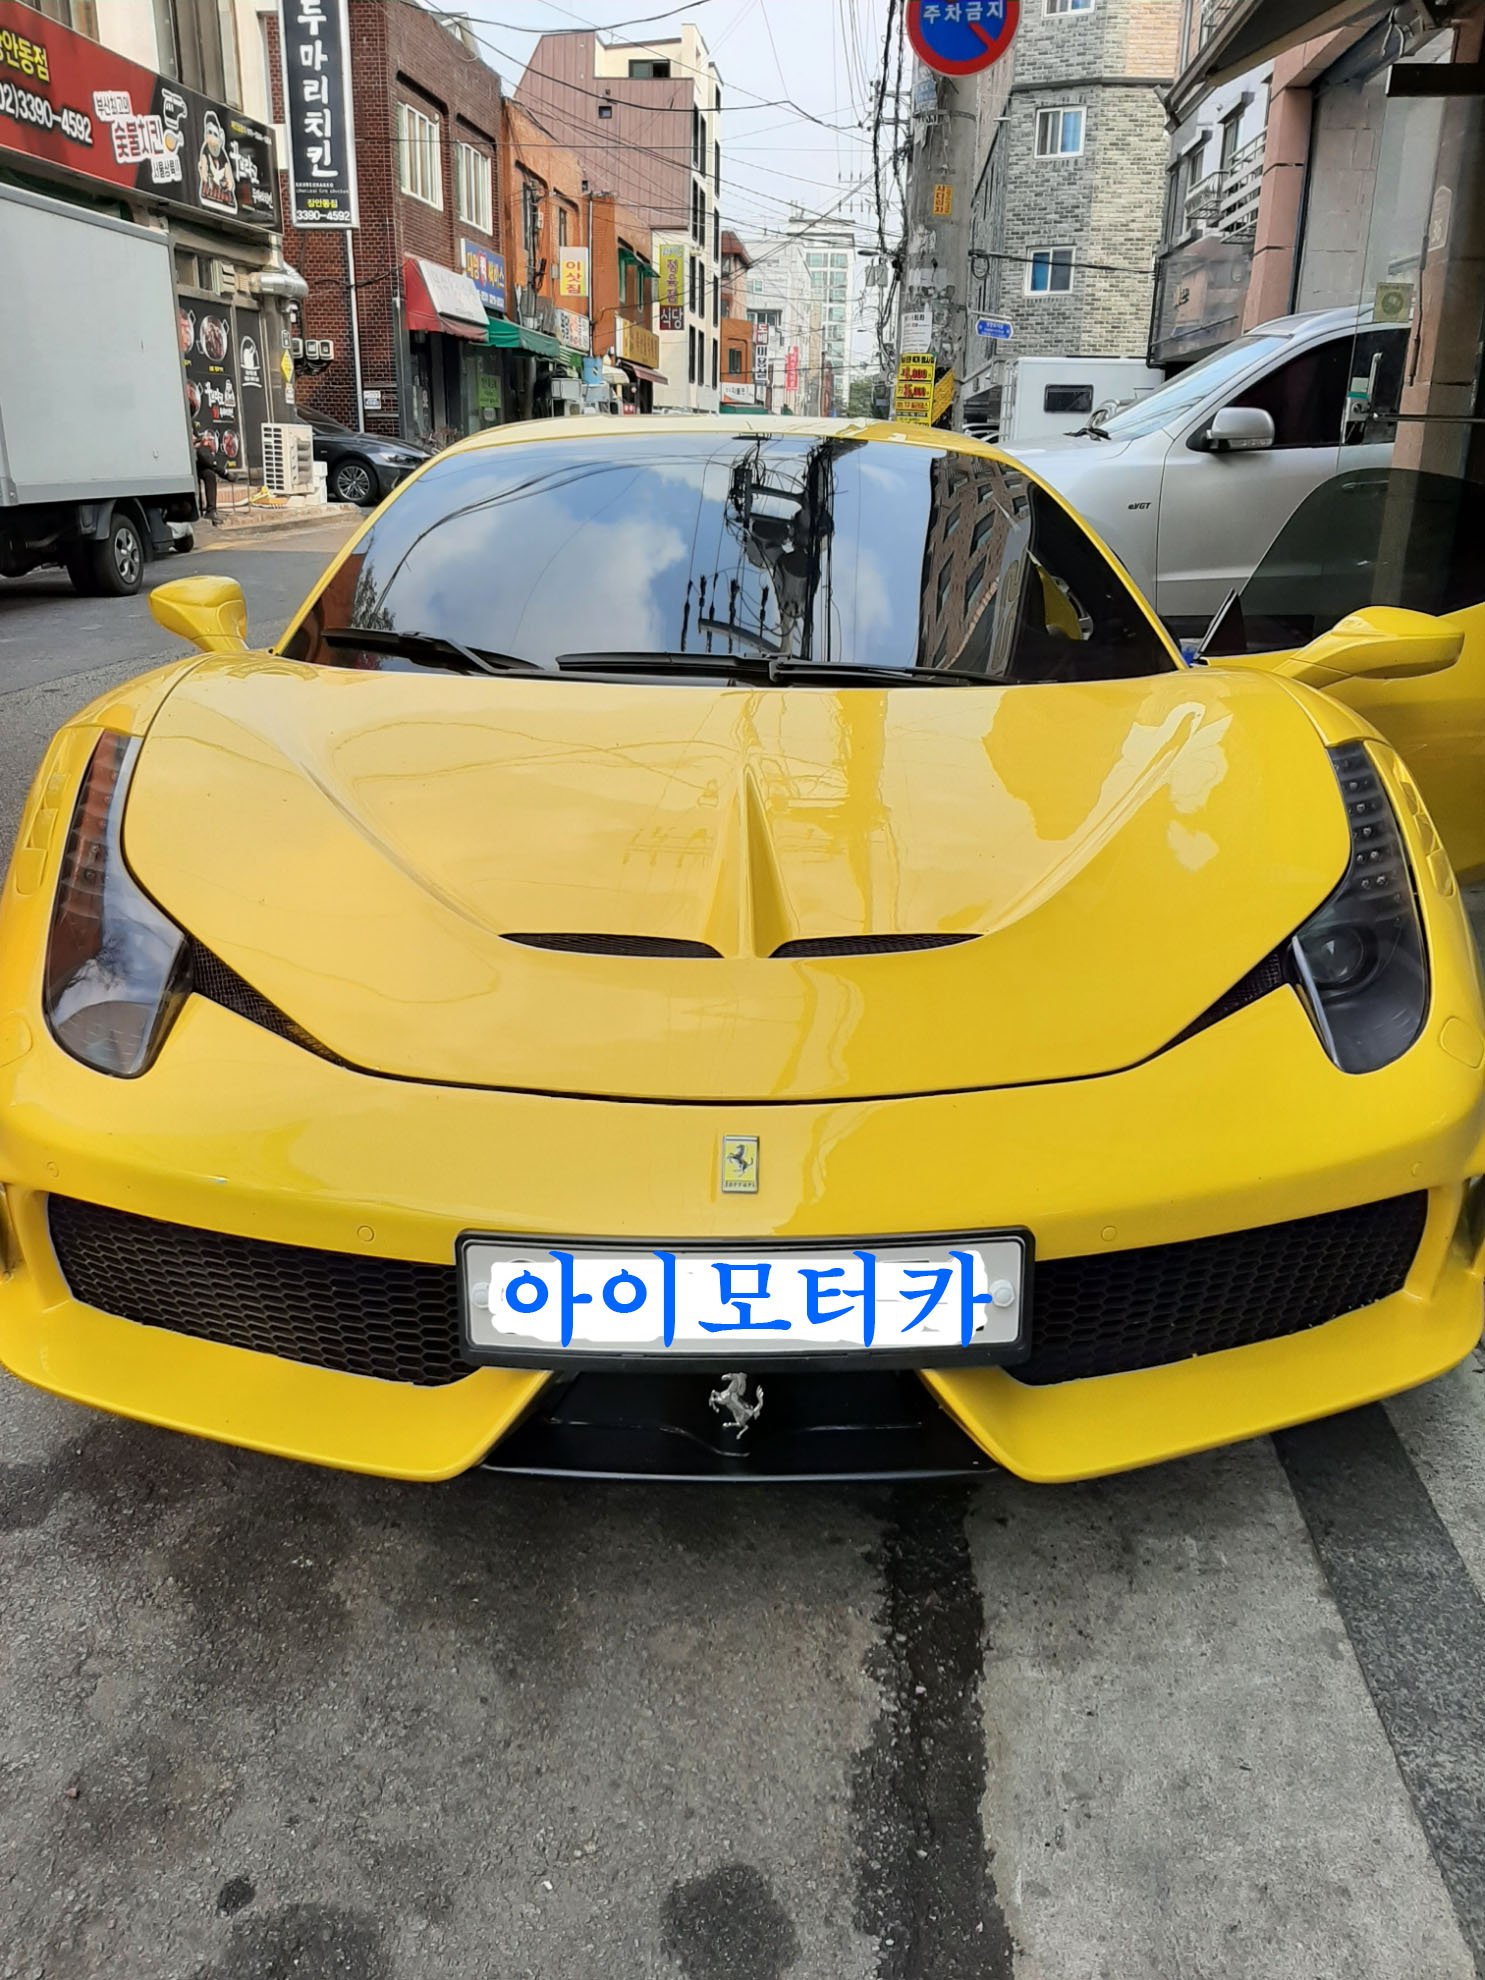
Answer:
(116, 967)
(1361, 957)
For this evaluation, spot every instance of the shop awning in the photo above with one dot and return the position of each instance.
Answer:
(643, 371)
(1252, 31)
(516, 337)
(628, 258)
(438, 299)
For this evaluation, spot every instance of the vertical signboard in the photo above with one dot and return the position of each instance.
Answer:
(572, 273)
(912, 396)
(252, 386)
(211, 379)
(314, 43)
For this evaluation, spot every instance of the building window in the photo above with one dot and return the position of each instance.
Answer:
(734, 361)
(1059, 133)
(716, 299)
(197, 45)
(474, 186)
(714, 364)
(649, 71)
(1050, 273)
(562, 226)
(691, 355)
(419, 160)
(1068, 7)
(605, 109)
(79, 15)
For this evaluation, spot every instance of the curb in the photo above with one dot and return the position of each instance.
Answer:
(272, 520)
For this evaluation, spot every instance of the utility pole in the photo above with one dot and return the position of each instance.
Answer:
(940, 176)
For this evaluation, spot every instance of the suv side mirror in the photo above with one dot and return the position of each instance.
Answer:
(208, 611)
(1235, 430)
(1378, 643)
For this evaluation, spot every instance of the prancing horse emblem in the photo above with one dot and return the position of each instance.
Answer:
(739, 1165)
(732, 1400)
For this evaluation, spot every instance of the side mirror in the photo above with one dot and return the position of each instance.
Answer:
(1236, 430)
(1378, 643)
(208, 611)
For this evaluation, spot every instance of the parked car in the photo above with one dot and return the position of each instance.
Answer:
(362, 468)
(1189, 484)
(800, 920)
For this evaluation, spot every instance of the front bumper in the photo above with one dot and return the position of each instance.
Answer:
(236, 1130)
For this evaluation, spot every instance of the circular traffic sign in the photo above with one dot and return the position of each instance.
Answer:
(958, 37)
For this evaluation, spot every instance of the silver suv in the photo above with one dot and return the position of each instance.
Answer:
(1192, 484)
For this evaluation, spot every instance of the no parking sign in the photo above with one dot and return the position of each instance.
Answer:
(959, 37)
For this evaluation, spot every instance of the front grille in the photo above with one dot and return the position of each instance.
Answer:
(361, 1315)
(619, 945)
(1141, 1309)
(1101, 1315)
(866, 945)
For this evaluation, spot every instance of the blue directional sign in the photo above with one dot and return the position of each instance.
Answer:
(992, 326)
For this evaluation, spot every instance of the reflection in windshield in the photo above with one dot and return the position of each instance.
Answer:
(1185, 392)
(760, 549)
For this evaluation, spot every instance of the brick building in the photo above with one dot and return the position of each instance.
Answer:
(623, 302)
(1069, 182)
(428, 124)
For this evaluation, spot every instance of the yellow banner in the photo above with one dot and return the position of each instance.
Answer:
(572, 273)
(943, 398)
(912, 395)
(672, 262)
(639, 345)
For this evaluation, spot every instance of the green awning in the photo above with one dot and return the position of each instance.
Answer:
(516, 337)
(629, 259)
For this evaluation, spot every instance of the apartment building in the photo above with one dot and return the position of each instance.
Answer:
(1068, 180)
(801, 299)
(645, 120)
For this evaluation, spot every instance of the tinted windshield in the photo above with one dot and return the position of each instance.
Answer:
(1185, 392)
(730, 548)
(1373, 536)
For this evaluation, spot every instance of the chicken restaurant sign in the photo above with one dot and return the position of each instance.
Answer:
(69, 102)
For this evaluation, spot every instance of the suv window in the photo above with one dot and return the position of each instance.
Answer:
(698, 548)
(1306, 397)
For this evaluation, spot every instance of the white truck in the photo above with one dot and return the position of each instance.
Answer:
(1041, 398)
(96, 456)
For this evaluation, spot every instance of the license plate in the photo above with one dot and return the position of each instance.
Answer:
(913, 1301)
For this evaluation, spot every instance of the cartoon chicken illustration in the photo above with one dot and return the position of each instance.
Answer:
(214, 171)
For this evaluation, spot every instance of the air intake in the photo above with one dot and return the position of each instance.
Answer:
(618, 945)
(865, 945)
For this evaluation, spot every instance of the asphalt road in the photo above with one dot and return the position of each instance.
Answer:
(256, 1721)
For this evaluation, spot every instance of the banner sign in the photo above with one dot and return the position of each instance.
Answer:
(672, 316)
(572, 273)
(206, 350)
(639, 344)
(672, 262)
(912, 397)
(314, 46)
(575, 331)
(71, 102)
(487, 272)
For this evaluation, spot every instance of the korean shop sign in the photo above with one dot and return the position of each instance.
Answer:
(672, 260)
(487, 272)
(572, 273)
(959, 37)
(912, 397)
(68, 101)
(314, 44)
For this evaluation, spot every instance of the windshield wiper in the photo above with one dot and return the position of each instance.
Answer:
(1093, 430)
(434, 650)
(755, 667)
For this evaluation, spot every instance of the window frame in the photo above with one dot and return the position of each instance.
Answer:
(1068, 6)
(1060, 111)
(467, 159)
(1033, 254)
(427, 146)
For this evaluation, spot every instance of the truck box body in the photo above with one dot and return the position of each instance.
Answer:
(1046, 396)
(92, 398)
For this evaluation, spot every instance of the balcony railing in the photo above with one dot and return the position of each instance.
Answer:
(1226, 203)
(1213, 14)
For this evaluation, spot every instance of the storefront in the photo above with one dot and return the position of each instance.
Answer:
(639, 358)
(78, 121)
(445, 319)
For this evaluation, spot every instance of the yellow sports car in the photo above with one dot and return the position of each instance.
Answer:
(742, 948)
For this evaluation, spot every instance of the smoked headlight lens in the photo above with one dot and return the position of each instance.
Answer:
(116, 967)
(1361, 956)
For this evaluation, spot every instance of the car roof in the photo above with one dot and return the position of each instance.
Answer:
(1316, 322)
(614, 432)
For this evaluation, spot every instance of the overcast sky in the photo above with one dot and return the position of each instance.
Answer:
(820, 54)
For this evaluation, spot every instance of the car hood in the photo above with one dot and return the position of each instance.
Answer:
(1063, 450)
(362, 848)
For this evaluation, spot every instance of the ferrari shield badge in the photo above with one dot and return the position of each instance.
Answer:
(739, 1165)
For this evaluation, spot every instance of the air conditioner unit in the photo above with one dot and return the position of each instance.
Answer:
(288, 459)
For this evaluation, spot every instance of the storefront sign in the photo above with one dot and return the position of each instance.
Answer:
(573, 330)
(672, 266)
(943, 397)
(572, 273)
(211, 378)
(486, 271)
(71, 102)
(912, 397)
(252, 389)
(672, 316)
(639, 345)
(791, 368)
(314, 46)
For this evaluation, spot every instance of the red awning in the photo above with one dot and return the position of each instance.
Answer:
(643, 371)
(438, 299)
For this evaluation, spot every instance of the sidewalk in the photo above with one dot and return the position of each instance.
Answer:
(240, 517)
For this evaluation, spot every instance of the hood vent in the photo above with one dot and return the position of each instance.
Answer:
(619, 945)
(865, 945)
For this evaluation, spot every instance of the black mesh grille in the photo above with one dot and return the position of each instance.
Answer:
(866, 945)
(211, 978)
(1100, 1315)
(362, 1315)
(618, 945)
(1276, 969)
(1141, 1309)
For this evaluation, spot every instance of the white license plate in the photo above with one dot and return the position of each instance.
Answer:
(915, 1299)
